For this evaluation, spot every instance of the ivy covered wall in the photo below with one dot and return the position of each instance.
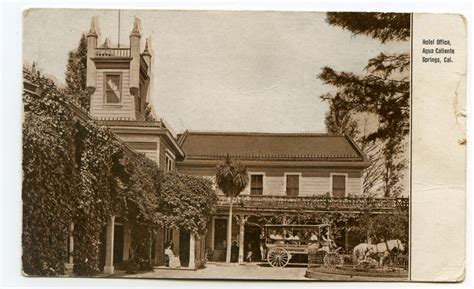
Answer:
(75, 171)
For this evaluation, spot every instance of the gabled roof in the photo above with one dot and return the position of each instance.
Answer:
(270, 146)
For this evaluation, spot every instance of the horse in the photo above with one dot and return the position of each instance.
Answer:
(382, 250)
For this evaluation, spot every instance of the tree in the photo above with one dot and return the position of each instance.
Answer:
(76, 74)
(186, 202)
(232, 179)
(383, 92)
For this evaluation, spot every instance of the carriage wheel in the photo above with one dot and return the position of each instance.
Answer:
(278, 257)
(333, 260)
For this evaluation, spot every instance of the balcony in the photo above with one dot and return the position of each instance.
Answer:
(317, 203)
(112, 52)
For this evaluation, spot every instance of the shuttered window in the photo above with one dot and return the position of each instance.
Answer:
(292, 185)
(256, 184)
(338, 186)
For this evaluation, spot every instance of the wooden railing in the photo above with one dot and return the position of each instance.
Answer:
(315, 203)
(112, 52)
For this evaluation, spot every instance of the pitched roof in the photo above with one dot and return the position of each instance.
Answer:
(269, 146)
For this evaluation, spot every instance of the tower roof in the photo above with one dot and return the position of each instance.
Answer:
(146, 51)
(136, 31)
(93, 30)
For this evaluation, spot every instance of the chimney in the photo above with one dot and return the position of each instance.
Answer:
(91, 46)
(135, 36)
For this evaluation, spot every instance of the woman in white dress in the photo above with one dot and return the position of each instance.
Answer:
(173, 262)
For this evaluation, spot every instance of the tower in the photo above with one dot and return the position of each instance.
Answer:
(118, 78)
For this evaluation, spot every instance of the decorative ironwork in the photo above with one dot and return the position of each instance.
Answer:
(322, 203)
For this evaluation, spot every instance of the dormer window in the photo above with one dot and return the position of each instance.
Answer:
(113, 88)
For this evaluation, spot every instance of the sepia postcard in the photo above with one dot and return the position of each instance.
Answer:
(256, 145)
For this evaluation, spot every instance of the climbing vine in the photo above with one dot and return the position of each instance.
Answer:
(75, 171)
(47, 188)
(186, 202)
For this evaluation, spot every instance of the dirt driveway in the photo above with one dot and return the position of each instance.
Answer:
(229, 271)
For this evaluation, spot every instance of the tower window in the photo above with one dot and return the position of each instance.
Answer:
(113, 88)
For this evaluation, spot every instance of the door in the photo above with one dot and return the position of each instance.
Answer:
(184, 248)
(118, 243)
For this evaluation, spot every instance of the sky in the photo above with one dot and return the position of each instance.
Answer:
(218, 70)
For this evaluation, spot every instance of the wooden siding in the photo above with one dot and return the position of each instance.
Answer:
(146, 144)
(309, 186)
(353, 186)
(275, 171)
(152, 155)
(318, 186)
(126, 109)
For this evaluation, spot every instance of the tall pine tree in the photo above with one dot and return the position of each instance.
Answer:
(383, 93)
(76, 74)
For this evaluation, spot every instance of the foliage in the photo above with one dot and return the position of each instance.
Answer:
(377, 226)
(76, 171)
(140, 259)
(76, 73)
(46, 189)
(381, 94)
(94, 200)
(47, 183)
(382, 26)
(382, 226)
(186, 202)
(138, 193)
(231, 178)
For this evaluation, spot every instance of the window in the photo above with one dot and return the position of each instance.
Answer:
(169, 162)
(220, 234)
(292, 185)
(256, 184)
(338, 186)
(113, 93)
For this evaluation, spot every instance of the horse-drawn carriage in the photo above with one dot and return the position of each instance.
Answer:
(283, 242)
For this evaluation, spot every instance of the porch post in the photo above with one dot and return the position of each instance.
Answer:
(71, 243)
(192, 250)
(126, 242)
(241, 238)
(109, 247)
(346, 238)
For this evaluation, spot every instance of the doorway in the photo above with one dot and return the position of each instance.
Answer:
(252, 243)
(118, 243)
(184, 237)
